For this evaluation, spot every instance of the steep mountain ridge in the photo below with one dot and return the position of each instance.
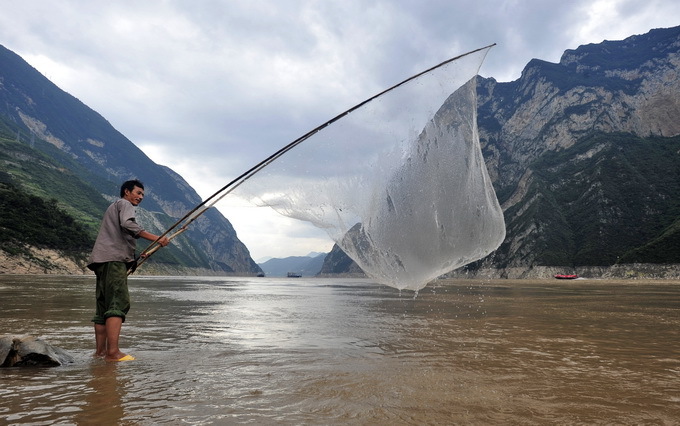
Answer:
(583, 155)
(616, 86)
(41, 120)
(629, 86)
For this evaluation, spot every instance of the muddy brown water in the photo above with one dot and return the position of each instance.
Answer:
(347, 351)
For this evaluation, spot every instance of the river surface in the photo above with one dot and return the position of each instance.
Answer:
(348, 351)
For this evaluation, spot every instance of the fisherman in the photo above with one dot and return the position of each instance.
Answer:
(113, 254)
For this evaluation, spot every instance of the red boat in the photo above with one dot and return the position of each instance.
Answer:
(566, 276)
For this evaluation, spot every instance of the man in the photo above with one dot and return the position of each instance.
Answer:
(113, 253)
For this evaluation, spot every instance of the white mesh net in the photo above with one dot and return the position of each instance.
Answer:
(399, 183)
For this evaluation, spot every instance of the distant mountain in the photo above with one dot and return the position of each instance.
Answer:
(338, 263)
(585, 158)
(307, 266)
(56, 148)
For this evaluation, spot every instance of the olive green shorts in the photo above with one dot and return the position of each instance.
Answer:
(113, 299)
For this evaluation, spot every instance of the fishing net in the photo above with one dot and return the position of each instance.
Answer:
(398, 183)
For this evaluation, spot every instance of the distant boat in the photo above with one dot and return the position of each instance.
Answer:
(261, 274)
(566, 276)
(294, 275)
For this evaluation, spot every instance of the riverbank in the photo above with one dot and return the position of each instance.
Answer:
(51, 262)
(636, 271)
(36, 261)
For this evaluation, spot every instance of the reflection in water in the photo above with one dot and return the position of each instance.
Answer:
(269, 351)
(103, 395)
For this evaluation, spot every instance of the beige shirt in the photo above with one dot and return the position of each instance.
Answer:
(118, 233)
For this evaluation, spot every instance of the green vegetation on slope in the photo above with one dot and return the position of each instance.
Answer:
(608, 196)
(45, 205)
(48, 177)
(27, 219)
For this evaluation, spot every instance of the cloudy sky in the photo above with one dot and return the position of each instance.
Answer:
(211, 87)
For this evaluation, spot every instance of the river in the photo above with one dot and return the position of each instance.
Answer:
(215, 350)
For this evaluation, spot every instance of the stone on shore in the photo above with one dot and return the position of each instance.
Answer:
(29, 351)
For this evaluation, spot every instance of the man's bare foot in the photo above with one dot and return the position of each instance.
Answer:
(119, 356)
(99, 355)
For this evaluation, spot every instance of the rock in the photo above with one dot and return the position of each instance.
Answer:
(5, 347)
(28, 351)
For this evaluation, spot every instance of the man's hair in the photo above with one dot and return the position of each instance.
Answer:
(130, 185)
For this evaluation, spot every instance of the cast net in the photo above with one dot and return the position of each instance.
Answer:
(398, 183)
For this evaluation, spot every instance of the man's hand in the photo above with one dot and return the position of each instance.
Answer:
(151, 237)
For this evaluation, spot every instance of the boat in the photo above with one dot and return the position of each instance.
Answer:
(566, 276)
(293, 275)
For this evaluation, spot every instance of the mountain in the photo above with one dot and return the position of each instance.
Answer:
(337, 263)
(585, 158)
(56, 148)
(583, 155)
(307, 266)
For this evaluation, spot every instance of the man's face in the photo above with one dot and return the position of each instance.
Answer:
(135, 196)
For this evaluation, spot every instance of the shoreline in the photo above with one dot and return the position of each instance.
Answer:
(629, 271)
(51, 262)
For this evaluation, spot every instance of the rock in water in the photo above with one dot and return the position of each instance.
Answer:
(29, 351)
(5, 348)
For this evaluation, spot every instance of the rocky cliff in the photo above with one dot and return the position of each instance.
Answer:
(605, 89)
(615, 86)
(584, 156)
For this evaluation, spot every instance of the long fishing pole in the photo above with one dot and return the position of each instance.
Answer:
(194, 213)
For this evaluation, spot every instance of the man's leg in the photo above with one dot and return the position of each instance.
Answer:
(117, 304)
(113, 326)
(100, 339)
(100, 309)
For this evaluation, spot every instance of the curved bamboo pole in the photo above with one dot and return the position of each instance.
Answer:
(194, 213)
